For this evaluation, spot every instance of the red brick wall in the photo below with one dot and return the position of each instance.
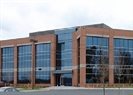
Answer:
(83, 32)
(22, 41)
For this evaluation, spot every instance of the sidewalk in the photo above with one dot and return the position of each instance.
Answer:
(52, 88)
(70, 88)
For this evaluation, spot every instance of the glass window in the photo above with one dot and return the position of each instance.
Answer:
(125, 44)
(117, 43)
(130, 44)
(7, 64)
(123, 61)
(97, 60)
(43, 63)
(104, 42)
(64, 48)
(121, 42)
(24, 64)
(95, 41)
(89, 41)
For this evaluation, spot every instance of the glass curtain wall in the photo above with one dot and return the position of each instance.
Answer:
(24, 64)
(8, 64)
(97, 60)
(64, 53)
(43, 52)
(64, 49)
(123, 60)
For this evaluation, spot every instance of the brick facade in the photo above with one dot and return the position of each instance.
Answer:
(80, 34)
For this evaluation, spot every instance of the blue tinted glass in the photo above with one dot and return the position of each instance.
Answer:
(125, 42)
(24, 64)
(104, 42)
(68, 45)
(64, 46)
(99, 40)
(64, 51)
(130, 43)
(117, 43)
(95, 54)
(43, 63)
(7, 64)
(123, 59)
(95, 41)
(121, 42)
(89, 41)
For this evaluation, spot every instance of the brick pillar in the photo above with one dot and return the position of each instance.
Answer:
(82, 61)
(53, 60)
(33, 66)
(0, 64)
(15, 66)
(75, 61)
(111, 61)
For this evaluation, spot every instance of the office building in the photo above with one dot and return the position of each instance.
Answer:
(86, 56)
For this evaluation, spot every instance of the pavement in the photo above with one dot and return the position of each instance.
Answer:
(70, 88)
(51, 88)
(66, 90)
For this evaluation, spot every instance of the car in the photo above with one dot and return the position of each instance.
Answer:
(8, 89)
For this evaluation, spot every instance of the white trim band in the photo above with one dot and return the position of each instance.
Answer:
(97, 35)
(43, 42)
(6, 46)
(123, 37)
(24, 44)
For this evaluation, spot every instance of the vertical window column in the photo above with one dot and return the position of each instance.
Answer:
(24, 64)
(97, 61)
(123, 64)
(7, 64)
(43, 57)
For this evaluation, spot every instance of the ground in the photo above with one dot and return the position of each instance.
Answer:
(74, 91)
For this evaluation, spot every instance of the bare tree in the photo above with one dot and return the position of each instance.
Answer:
(104, 68)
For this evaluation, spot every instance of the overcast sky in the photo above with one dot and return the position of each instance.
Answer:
(20, 17)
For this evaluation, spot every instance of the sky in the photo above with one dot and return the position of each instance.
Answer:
(18, 18)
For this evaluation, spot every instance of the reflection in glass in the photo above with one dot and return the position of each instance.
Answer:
(24, 64)
(123, 58)
(7, 64)
(96, 59)
(43, 63)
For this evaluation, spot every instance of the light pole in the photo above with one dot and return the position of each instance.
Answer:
(119, 79)
(102, 69)
(103, 80)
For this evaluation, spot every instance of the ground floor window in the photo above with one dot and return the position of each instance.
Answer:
(97, 73)
(123, 74)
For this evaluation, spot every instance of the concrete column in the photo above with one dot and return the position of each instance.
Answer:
(33, 66)
(82, 61)
(15, 65)
(111, 60)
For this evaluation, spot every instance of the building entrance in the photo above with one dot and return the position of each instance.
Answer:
(63, 79)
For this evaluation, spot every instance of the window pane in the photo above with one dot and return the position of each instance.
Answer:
(96, 58)
(43, 63)
(24, 64)
(7, 64)
(123, 61)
